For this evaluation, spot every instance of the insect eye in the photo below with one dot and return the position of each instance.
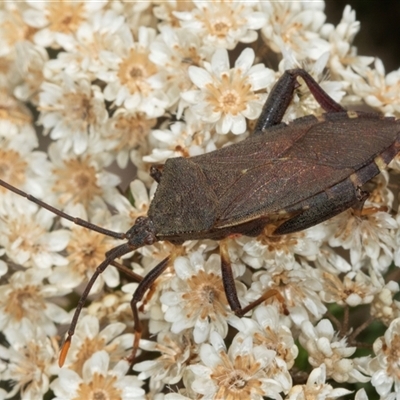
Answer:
(150, 239)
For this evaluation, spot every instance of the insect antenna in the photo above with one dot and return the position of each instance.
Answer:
(75, 220)
(134, 237)
(111, 255)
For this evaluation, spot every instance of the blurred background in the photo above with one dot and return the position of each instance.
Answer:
(380, 28)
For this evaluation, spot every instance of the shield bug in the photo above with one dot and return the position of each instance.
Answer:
(294, 176)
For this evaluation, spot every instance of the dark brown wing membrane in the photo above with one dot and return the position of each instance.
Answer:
(271, 172)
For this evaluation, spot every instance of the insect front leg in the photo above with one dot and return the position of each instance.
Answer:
(230, 288)
(282, 93)
(137, 297)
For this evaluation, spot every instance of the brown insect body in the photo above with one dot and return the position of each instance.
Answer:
(274, 176)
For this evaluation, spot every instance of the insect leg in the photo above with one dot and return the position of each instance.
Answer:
(144, 285)
(230, 289)
(75, 220)
(126, 271)
(282, 93)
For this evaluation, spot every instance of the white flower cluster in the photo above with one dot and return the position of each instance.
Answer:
(113, 86)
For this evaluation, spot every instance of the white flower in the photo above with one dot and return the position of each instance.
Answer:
(238, 373)
(180, 140)
(82, 179)
(316, 388)
(268, 249)
(197, 299)
(25, 296)
(56, 21)
(223, 23)
(88, 339)
(368, 237)
(295, 24)
(99, 33)
(385, 367)
(227, 95)
(30, 60)
(342, 53)
(294, 288)
(85, 250)
(125, 131)
(353, 289)
(25, 234)
(98, 381)
(177, 351)
(72, 109)
(384, 306)
(30, 360)
(174, 50)
(273, 334)
(20, 164)
(378, 89)
(132, 79)
(324, 347)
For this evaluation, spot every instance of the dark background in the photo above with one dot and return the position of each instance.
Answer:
(379, 35)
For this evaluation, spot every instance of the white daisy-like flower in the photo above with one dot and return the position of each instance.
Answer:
(324, 347)
(316, 388)
(268, 249)
(330, 261)
(174, 50)
(223, 23)
(368, 237)
(98, 381)
(180, 140)
(197, 298)
(384, 306)
(100, 32)
(88, 339)
(237, 373)
(385, 367)
(25, 234)
(298, 288)
(30, 360)
(378, 89)
(132, 79)
(82, 179)
(114, 307)
(57, 21)
(353, 289)
(177, 352)
(30, 60)
(165, 11)
(227, 96)
(13, 29)
(125, 131)
(25, 296)
(20, 165)
(273, 334)
(85, 251)
(72, 110)
(342, 53)
(295, 25)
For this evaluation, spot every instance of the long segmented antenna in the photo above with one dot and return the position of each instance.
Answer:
(75, 220)
(116, 252)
